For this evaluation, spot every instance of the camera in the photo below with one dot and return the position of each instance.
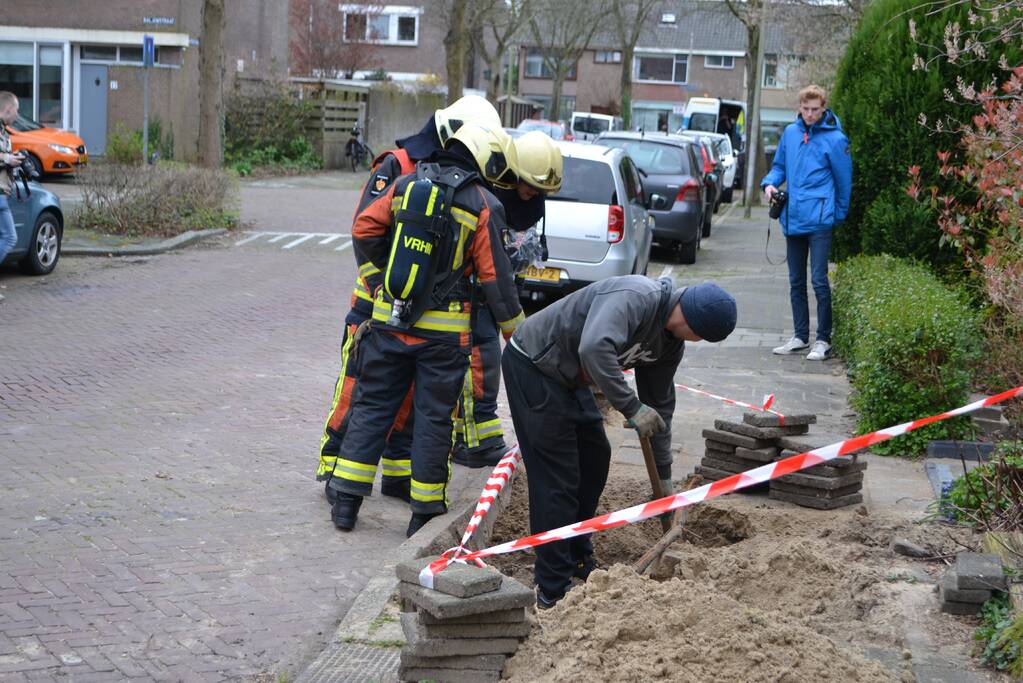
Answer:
(778, 201)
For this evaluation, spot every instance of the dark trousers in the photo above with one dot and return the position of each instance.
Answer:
(481, 427)
(388, 366)
(816, 245)
(567, 455)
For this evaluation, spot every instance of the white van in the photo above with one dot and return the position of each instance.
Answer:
(586, 126)
(713, 115)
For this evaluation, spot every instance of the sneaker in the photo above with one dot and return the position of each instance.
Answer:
(346, 511)
(397, 489)
(820, 351)
(791, 346)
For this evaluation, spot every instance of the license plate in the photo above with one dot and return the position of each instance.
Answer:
(84, 159)
(545, 274)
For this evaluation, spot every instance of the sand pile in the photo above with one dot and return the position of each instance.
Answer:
(623, 627)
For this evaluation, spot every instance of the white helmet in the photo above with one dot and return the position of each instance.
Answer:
(468, 109)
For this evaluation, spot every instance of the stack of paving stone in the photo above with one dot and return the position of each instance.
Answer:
(762, 438)
(464, 628)
(971, 583)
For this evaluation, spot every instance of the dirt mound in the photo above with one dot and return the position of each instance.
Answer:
(623, 627)
(714, 527)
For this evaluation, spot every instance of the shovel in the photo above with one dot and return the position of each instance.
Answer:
(655, 480)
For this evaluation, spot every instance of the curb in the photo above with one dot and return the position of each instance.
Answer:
(367, 642)
(183, 240)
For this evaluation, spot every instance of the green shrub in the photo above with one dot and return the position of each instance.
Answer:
(265, 129)
(1000, 635)
(909, 341)
(125, 146)
(879, 96)
(989, 489)
(162, 199)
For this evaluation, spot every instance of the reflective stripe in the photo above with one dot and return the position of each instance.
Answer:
(510, 325)
(396, 468)
(472, 439)
(427, 493)
(463, 216)
(489, 429)
(438, 321)
(368, 269)
(326, 462)
(354, 471)
(346, 349)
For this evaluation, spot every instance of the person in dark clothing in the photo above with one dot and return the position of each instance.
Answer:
(589, 338)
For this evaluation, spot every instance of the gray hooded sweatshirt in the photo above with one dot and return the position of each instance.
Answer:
(590, 336)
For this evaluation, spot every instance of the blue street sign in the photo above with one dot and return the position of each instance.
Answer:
(148, 51)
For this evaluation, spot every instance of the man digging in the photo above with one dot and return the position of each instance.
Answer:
(589, 338)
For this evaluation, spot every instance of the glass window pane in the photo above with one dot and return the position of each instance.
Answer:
(131, 54)
(51, 59)
(406, 28)
(355, 27)
(655, 68)
(681, 69)
(16, 73)
(103, 52)
(380, 27)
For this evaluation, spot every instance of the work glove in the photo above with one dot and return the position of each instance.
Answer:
(646, 422)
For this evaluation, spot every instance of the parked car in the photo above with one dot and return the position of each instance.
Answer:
(713, 115)
(47, 150)
(556, 130)
(587, 125)
(712, 181)
(597, 226)
(672, 169)
(729, 165)
(39, 223)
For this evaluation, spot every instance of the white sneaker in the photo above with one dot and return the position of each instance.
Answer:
(791, 346)
(820, 350)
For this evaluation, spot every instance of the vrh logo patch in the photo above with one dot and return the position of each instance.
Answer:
(379, 183)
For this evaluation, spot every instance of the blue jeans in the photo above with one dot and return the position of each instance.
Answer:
(816, 245)
(8, 236)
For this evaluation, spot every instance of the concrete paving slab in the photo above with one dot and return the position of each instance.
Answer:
(457, 579)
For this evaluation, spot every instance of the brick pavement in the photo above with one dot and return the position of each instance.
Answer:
(159, 420)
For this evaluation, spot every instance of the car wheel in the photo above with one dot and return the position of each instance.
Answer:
(687, 252)
(33, 167)
(705, 230)
(727, 195)
(44, 247)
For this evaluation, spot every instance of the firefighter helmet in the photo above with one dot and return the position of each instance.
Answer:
(493, 150)
(538, 162)
(468, 109)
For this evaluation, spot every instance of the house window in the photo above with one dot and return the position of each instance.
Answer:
(719, 62)
(104, 53)
(386, 25)
(607, 57)
(668, 18)
(662, 68)
(774, 72)
(536, 67)
(125, 54)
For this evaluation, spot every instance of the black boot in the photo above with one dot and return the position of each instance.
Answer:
(331, 493)
(397, 489)
(417, 522)
(346, 511)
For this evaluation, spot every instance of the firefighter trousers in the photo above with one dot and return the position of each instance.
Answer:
(389, 364)
(395, 461)
(478, 424)
(567, 457)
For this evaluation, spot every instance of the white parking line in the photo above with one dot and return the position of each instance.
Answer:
(252, 236)
(331, 239)
(300, 240)
(282, 236)
(344, 246)
(668, 270)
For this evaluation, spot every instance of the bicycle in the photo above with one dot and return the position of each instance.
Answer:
(359, 154)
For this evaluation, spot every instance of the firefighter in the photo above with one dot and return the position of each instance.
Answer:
(387, 168)
(428, 234)
(480, 441)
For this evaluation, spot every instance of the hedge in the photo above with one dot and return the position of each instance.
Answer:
(909, 341)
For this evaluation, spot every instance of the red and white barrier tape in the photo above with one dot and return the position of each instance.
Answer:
(502, 474)
(773, 470)
(764, 407)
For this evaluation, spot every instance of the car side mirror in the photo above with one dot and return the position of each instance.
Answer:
(657, 202)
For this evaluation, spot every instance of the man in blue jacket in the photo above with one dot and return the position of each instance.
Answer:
(813, 159)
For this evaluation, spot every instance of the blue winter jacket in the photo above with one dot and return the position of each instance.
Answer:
(818, 169)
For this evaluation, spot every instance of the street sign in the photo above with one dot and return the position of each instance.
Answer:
(148, 51)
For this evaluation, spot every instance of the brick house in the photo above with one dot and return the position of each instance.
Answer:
(77, 65)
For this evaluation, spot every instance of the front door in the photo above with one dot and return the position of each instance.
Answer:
(95, 83)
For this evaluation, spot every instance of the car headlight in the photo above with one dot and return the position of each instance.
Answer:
(62, 149)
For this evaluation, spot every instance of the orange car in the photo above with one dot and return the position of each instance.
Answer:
(47, 150)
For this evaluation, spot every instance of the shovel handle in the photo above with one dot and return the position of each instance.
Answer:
(655, 480)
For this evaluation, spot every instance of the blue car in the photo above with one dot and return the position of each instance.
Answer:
(39, 222)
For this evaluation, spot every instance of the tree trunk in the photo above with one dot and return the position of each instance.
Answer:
(211, 85)
(754, 61)
(454, 49)
(628, 56)
(559, 82)
(494, 64)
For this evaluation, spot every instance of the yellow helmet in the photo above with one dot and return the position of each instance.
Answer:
(539, 162)
(468, 109)
(493, 151)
